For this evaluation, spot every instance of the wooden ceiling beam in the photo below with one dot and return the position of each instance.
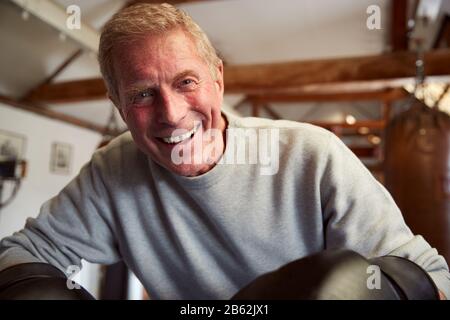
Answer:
(399, 25)
(55, 15)
(54, 74)
(370, 124)
(241, 102)
(53, 115)
(70, 91)
(364, 152)
(271, 112)
(282, 76)
(291, 77)
(383, 95)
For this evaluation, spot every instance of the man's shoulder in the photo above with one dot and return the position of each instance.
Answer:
(288, 125)
(120, 151)
(122, 141)
(292, 132)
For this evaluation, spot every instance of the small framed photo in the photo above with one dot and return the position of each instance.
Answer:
(61, 158)
(12, 145)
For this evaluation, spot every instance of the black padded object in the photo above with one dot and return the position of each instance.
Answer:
(37, 281)
(340, 275)
(412, 281)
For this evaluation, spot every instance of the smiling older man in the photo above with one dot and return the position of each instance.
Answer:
(204, 229)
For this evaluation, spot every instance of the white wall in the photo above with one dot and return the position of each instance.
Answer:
(40, 184)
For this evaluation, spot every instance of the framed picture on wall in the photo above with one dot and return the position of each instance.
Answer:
(12, 145)
(61, 158)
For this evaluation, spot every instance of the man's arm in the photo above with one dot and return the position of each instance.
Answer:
(73, 225)
(361, 215)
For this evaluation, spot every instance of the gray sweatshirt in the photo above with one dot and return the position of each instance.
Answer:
(206, 237)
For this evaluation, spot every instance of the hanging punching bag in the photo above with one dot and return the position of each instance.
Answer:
(417, 171)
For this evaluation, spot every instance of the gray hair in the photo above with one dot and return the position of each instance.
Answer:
(143, 19)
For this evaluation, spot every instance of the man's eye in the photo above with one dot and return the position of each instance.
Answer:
(187, 83)
(143, 96)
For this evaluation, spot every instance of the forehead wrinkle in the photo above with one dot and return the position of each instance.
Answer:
(136, 60)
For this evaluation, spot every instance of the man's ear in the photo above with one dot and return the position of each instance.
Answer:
(219, 80)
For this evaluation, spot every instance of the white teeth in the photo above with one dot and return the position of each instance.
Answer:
(177, 139)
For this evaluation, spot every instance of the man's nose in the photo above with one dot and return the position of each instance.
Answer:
(173, 107)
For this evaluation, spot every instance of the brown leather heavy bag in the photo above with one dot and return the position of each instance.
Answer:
(417, 171)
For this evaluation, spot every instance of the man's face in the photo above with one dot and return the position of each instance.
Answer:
(163, 86)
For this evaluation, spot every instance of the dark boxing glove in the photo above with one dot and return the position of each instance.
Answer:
(38, 281)
(342, 275)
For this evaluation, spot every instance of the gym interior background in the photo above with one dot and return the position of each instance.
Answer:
(376, 73)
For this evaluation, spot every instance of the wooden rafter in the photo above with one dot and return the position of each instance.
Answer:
(70, 91)
(281, 77)
(55, 15)
(399, 28)
(52, 114)
(443, 35)
(255, 109)
(271, 112)
(241, 102)
(386, 107)
(390, 94)
(292, 75)
(55, 73)
(371, 124)
(364, 152)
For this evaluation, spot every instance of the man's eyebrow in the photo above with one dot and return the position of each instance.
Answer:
(142, 85)
(185, 74)
(138, 86)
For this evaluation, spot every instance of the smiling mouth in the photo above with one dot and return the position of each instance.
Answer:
(182, 137)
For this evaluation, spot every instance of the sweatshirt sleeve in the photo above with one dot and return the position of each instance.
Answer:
(360, 214)
(74, 225)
